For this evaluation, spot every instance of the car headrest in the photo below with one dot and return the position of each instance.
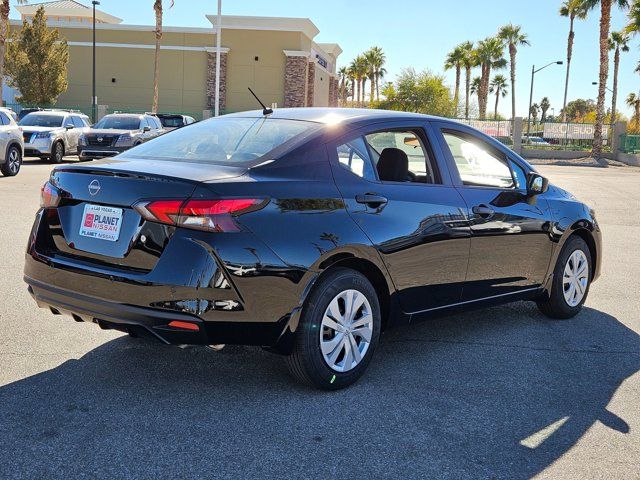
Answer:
(393, 165)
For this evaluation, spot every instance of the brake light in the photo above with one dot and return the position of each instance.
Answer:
(49, 196)
(209, 215)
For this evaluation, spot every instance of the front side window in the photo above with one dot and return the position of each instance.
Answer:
(42, 120)
(4, 120)
(477, 163)
(224, 140)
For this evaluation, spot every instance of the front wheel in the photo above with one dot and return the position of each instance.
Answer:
(571, 281)
(57, 152)
(339, 331)
(13, 162)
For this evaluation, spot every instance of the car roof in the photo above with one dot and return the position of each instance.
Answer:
(50, 112)
(130, 115)
(329, 115)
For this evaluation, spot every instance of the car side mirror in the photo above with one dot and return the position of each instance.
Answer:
(537, 184)
(70, 126)
(146, 129)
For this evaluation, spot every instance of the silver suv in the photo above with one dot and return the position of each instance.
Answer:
(118, 132)
(52, 134)
(11, 145)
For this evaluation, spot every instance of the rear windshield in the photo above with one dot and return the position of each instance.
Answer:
(118, 123)
(40, 120)
(224, 140)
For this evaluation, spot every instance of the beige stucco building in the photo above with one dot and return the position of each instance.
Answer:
(276, 57)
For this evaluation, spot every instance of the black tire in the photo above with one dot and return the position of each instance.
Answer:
(306, 363)
(13, 162)
(57, 152)
(555, 305)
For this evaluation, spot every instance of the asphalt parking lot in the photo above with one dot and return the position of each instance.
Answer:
(499, 393)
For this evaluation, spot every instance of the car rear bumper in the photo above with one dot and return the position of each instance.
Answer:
(252, 300)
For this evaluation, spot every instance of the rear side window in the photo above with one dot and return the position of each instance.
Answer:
(354, 157)
(225, 140)
(4, 120)
(478, 163)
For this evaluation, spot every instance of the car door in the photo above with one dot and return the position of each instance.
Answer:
(416, 223)
(511, 241)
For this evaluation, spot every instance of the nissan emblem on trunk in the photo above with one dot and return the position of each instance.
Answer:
(94, 188)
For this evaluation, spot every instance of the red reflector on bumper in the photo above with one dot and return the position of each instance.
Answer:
(184, 325)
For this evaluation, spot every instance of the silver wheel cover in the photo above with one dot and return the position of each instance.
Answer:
(346, 329)
(575, 278)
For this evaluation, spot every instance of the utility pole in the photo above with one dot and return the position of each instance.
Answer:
(218, 46)
(94, 98)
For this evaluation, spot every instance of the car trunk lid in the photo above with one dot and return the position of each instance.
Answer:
(95, 220)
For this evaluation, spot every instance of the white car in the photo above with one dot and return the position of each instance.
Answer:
(11, 144)
(52, 134)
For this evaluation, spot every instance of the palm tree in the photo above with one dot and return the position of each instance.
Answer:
(545, 105)
(618, 42)
(535, 108)
(360, 71)
(5, 8)
(489, 56)
(499, 87)
(376, 59)
(513, 37)
(455, 60)
(572, 9)
(157, 7)
(605, 25)
(474, 89)
(634, 19)
(468, 61)
(633, 101)
(343, 74)
(351, 77)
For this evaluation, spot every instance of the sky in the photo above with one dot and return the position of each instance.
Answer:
(419, 33)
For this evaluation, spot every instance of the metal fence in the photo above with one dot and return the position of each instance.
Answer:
(630, 143)
(565, 136)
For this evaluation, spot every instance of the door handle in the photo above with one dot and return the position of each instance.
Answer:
(371, 200)
(483, 211)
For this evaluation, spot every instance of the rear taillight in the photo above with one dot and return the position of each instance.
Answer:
(49, 196)
(209, 215)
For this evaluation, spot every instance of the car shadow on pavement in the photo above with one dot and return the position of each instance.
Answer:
(498, 393)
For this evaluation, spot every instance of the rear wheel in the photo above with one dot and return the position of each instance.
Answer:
(571, 281)
(338, 333)
(13, 162)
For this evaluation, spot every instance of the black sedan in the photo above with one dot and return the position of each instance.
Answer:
(307, 232)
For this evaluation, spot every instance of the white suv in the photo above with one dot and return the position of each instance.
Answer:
(11, 144)
(52, 134)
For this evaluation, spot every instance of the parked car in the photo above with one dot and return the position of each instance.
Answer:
(171, 121)
(535, 141)
(26, 111)
(116, 133)
(52, 134)
(307, 232)
(11, 144)
(10, 112)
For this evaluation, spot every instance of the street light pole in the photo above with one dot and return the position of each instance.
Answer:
(94, 100)
(218, 43)
(533, 73)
